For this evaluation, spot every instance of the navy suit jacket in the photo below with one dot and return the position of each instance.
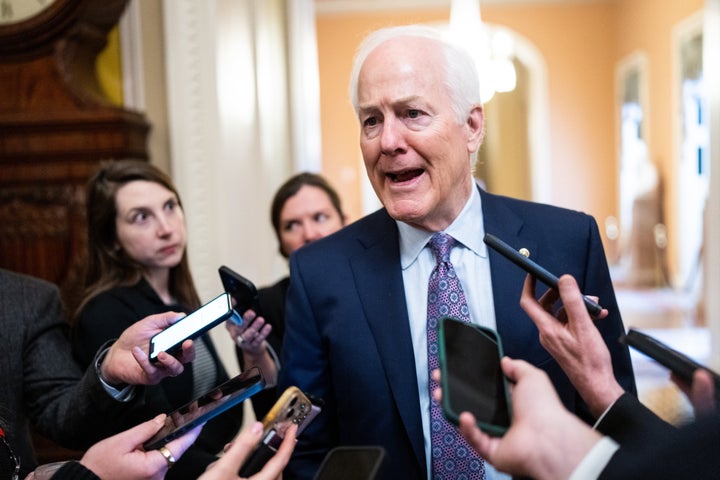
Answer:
(347, 337)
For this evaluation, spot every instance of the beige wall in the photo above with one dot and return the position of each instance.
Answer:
(581, 45)
(641, 25)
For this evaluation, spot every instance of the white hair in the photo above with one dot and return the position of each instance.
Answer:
(460, 72)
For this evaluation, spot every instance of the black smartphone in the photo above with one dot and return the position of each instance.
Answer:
(241, 289)
(190, 327)
(351, 463)
(677, 362)
(293, 407)
(208, 406)
(472, 380)
(533, 268)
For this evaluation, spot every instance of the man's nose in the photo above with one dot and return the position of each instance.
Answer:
(391, 138)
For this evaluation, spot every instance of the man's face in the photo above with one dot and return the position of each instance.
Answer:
(416, 153)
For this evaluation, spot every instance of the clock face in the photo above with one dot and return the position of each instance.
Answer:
(14, 11)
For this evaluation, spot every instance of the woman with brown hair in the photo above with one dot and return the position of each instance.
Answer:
(137, 266)
(305, 208)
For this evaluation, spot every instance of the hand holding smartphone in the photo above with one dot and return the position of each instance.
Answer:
(192, 326)
(242, 290)
(208, 406)
(472, 379)
(534, 269)
(293, 407)
(678, 363)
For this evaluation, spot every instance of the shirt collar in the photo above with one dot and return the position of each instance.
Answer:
(467, 229)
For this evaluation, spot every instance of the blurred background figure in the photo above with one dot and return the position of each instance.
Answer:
(305, 208)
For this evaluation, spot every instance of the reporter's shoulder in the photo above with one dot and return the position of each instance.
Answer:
(21, 283)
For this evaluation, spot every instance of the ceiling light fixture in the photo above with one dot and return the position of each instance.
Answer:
(491, 47)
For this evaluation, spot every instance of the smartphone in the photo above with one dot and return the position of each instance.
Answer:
(351, 463)
(293, 407)
(208, 406)
(679, 363)
(242, 290)
(472, 381)
(534, 269)
(190, 327)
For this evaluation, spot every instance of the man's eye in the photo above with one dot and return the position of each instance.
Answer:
(413, 113)
(370, 122)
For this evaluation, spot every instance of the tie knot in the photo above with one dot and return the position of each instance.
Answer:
(440, 244)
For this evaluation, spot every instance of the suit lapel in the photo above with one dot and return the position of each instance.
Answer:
(380, 287)
(503, 223)
(518, 333)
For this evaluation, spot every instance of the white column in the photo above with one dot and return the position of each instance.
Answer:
(230, 135)
(195, 137)
(304, 85)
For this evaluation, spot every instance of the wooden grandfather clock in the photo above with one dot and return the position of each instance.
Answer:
(56, 125)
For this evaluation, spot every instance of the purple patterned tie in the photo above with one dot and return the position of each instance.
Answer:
(452, 457)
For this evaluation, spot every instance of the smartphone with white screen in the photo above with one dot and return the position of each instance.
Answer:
(472, 380)
(190, 327)
(208, 406)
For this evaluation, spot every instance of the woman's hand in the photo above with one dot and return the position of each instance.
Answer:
(251, 335)
(239, 450)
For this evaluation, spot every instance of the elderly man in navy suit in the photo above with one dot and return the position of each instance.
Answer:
(356, 319)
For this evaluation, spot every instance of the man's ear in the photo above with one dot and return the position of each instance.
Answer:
(476, 128)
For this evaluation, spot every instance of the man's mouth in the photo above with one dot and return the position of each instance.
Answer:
(405, 176)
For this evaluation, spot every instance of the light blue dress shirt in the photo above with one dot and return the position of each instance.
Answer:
(469, 257)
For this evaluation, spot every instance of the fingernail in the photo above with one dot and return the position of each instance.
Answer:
(257, 427)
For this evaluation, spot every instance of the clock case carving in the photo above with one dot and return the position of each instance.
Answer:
(56, 125)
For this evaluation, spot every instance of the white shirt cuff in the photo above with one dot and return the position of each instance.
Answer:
(596, 460)
(124, 394)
